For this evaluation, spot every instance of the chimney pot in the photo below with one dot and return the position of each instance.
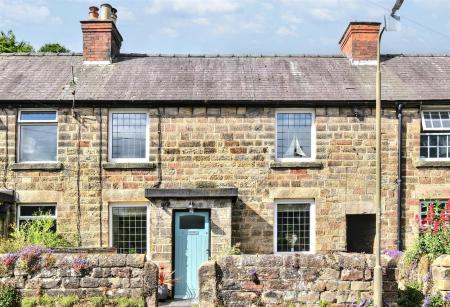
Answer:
(93, 12)
(360, 42)
(105, 11)
(114, 14)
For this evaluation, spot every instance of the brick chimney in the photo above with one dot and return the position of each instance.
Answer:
(101, 39)
(359, 42)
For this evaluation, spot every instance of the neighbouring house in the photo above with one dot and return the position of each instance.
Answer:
(181, 157)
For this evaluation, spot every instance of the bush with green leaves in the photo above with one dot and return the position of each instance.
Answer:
(53, 48)
(35, 232)
(97, 301)
(9, 44)
(412, 296)
(130, 302)
(9, 296)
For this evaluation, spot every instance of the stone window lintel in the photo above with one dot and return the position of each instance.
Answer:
(295, 164)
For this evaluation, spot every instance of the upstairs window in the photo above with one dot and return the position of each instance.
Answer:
(435, 136)
(128, 136)
(295, 136)
(38, 136)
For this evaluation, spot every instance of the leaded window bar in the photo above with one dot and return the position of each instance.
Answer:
(294, 135)
(293, 227)
(435, 136)
(129, 229)
(128, 135)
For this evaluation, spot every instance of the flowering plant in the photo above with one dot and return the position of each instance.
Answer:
(165, 278)
(81, 265)
(9, 260)
(30, 257)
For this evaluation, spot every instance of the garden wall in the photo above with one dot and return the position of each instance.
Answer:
(441, 275)
(111, 275)
(273, 280)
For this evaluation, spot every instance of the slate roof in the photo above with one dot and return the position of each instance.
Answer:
(224, 78)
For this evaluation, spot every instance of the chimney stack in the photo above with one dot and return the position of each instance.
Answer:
(101, 39)
(360, 42)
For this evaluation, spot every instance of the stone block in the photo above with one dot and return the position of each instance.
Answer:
(121, 272)
(329, 296)
(136, 260)
(352, 274)
(308, 297)
(89, 282)
(71, 282)
(272, 297)
(361, 285)
(109, 261)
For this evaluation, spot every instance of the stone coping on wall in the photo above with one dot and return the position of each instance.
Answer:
(154, 193)
(47, 166)
(122, 166)
(85, 250)
(299, 164)
(441, 274)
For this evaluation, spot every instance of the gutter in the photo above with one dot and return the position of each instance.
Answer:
(399, 175)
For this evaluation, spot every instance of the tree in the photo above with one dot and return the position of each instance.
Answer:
(54, 48)
(8, 43)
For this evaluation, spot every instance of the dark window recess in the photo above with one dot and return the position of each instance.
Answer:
(360, 233)
(192, 222)
(37, 210)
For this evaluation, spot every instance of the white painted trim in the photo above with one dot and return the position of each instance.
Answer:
(434, 159)
(96, 62)
(34, 123)
(312, 224)
(432, 111)
(129, 205)
(313, 135)
(147, 136)
(363, 62)
(19, 217)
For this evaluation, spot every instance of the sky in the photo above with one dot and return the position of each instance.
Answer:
(233, 26)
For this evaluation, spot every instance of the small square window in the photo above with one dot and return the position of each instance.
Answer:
(128, 136)
(38, 136)
(28, 212)
(435, 135)
(295, 136)
(294, 227)
(129, 229)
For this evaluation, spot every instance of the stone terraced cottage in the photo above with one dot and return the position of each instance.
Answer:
(181, 156)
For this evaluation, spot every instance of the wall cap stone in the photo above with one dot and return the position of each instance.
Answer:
(424, 164)
(134, 165)
(443, 260)
(299, 164)
(46, 166)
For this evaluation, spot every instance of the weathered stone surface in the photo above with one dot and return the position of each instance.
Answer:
(108, 261)
(352, 274)
(136, 260)
(70, 282)
(89, 282)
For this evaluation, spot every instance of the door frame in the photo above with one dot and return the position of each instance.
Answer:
(174, 213)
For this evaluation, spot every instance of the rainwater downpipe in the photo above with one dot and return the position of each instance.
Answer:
(399, 175)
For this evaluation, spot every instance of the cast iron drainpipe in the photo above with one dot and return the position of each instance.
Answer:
(399, 175)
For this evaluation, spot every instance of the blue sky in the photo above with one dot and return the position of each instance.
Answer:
(232, 26)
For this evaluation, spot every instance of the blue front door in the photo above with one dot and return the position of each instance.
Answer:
(191, 250)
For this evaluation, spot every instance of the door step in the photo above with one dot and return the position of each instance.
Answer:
(179, 303)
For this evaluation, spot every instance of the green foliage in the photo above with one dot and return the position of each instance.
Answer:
(9, 44)
(97, 301)
(54, 48)
(323, 304)
(228, 251)
(35, 232)
(67, 301)
(46, 300)
(9, 296)
(29, 302)
(411, 296)
(130, 302)
(437, 301)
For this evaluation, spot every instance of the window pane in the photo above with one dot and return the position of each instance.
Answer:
(37, 210)
(130, 229)
(128, 135)
(293, 223)
(192, 222)
(294, 135)
(436, 120)
(38, 143)
(38, 115)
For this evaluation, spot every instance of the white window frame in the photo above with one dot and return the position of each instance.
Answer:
(432, 129)
(313, 135)
(147, 136)
(130, 205)
(312, 223)
(19, 217)
(21, 122)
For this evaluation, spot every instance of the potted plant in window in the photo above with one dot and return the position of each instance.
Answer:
(165, 279)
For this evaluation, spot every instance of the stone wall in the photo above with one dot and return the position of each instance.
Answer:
(112, 275)
(225, 147)
(277, 280)
(441, 274)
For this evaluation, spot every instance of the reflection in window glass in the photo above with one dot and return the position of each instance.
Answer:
(192, 222)
(129, 229)
(128, 135)
(294, 135)
(38, 142)
(293, 227)
(38, 115)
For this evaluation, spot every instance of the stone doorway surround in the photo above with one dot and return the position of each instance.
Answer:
(219, 201)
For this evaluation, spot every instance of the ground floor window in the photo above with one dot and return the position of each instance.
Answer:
(428, 208)
(129, 229)
(294, 231)
(30, 212)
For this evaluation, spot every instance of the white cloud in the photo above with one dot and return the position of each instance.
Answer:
(286, 31)
(124, 13)
(195, 7)
(201, 21)
(324, 14)
(24, 12)
(169, 31)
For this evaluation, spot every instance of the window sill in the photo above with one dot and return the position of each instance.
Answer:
(425, 164)
(45, 166)
(130, 165)
(299, 164)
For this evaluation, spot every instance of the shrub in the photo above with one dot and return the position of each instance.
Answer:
(67, 301)
(411, 296)
(130, 302)
(46, 300)
(35, 232)
(228, 251)
(97, 301)
(9, 296)
(30, 258)
(81, 265)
